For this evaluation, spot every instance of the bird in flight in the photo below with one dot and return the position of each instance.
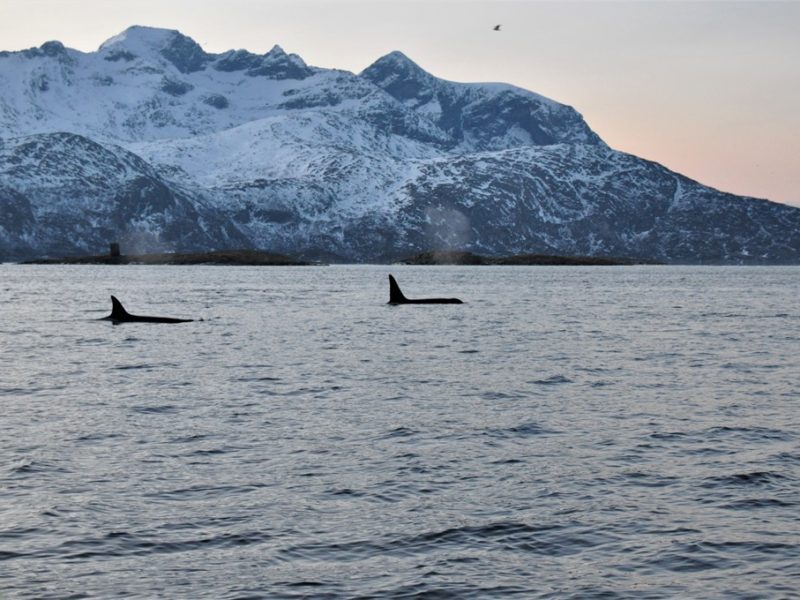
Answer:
(496, 28)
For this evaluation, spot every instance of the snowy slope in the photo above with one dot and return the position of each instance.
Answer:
(62, 193)
(482, 116)
(155, 142)
(589, 200)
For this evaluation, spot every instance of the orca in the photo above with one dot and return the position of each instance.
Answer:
(397, 297)
(120, 315)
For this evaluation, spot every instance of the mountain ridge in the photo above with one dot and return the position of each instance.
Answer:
(202, 151)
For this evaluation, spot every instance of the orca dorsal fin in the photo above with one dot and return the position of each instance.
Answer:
(117, 310)
(395, 294)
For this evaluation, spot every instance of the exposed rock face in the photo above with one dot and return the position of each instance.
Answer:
(156, 143)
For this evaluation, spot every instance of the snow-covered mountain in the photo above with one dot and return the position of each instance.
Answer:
(154, 142)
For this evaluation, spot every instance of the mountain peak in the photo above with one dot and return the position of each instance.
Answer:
(139, 41)
(139, 37)
(401, 77)
(275, 64)
(53, 48)
(396, 55)
(395, 64)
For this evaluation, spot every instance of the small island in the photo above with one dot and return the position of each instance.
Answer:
(461, 257)
(217, 257)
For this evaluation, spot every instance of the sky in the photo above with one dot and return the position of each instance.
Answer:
(710, 89)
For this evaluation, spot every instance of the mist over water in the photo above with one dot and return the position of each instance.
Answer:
(620, 432)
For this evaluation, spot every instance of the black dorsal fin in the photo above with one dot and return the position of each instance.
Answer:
(395, 294)
(117, 310)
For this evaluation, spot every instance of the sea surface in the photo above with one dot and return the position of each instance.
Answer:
(568, 432)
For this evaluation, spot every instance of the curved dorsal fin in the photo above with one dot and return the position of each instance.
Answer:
(395, 294)
(117, 310)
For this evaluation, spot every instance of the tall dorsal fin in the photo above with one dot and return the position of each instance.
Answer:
(117, 310)
(395, 294)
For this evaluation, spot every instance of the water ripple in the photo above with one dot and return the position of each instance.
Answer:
(570, 433)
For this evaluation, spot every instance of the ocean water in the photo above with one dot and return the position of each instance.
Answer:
(569, 432)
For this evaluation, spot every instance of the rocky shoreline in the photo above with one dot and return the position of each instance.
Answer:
(261, 258)
(220, 257)
(458, 257)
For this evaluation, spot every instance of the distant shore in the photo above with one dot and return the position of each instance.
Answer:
(221, 257)
(261, 258)
(458, 257)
